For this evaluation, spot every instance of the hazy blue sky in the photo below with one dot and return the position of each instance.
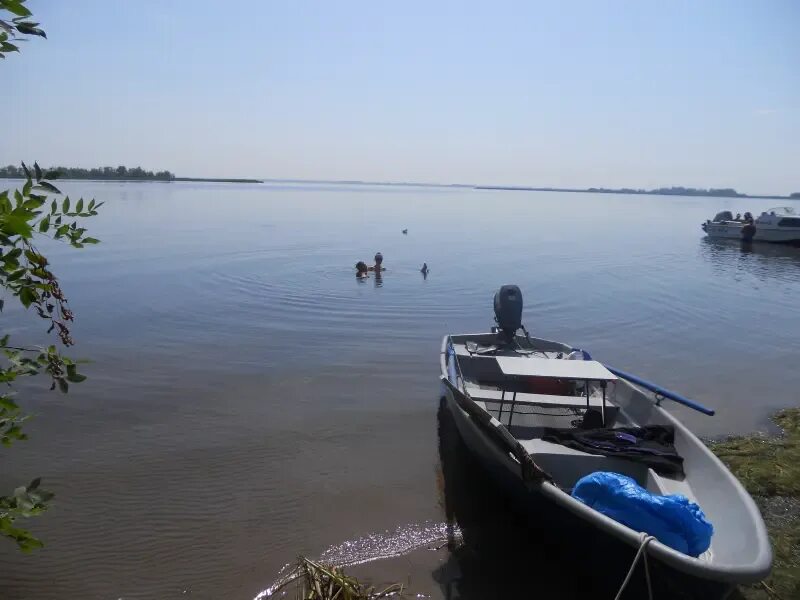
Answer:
(591, 93)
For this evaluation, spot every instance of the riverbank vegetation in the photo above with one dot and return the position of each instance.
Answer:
(769, 467)
(120, 173)
(99, 173)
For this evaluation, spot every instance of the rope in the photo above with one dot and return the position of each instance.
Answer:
(645, 539)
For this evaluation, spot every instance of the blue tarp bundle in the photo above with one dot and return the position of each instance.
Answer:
(673, 520)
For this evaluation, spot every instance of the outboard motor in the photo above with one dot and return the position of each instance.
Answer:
(508, 311)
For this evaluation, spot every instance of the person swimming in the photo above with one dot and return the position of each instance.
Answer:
(378, 262)
(362, 270)
(424, 270)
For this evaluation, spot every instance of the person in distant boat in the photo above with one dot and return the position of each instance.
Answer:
(362, 270)
(748, 218)
(738, 217)
(378, 263)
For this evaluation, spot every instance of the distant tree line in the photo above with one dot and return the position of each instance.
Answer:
(795, 195)
(120, 172)
(674, 191)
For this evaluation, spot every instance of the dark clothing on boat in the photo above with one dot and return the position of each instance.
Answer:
(653, 445)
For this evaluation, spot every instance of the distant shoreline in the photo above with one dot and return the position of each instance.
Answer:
(217, 180)
(661, 192)
(148, 179)
(674, 191)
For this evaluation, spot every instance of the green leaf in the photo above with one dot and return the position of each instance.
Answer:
(63, 385)
(38, 170)
(65, 205)
(12, 224)
(46, 185)
(44, 224)
(53, 208)
(8, 47)
(30, 30)
(26, 189)
(79, 206)
(27, 172)
(27, 296)
(15, 7)
(18, 198)
(34, 484)
(90, 240)
(29, 543)
(34, 201)
(73, 376)
(16, 275)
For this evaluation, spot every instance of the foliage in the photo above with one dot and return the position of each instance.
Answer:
(13, 29)
(27, 214)
(674, 191)
(770, 470)
(25, 273)
(120, 172)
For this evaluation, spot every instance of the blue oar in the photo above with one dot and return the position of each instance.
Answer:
(674, 396)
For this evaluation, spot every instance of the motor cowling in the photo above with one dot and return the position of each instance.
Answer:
(508, 309)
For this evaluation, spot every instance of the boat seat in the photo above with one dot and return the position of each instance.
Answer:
(539, 446)
(568, 465)
(543, 400)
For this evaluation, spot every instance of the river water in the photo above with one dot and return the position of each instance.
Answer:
(249, 400)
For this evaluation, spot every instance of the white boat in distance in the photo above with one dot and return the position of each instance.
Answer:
(780, 225)
(504, 389)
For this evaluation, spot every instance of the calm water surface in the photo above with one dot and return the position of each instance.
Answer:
(250, 400)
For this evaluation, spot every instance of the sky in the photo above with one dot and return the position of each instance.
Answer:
(698, 93)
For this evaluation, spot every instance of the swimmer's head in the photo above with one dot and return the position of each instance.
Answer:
(378, 258)
(361, 267)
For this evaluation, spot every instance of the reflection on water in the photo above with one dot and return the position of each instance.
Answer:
(376, 546)
(761, 260)
(501, 555)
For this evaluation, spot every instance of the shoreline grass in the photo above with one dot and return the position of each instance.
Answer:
(769, 468)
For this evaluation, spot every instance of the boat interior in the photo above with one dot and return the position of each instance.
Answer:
(524, 395)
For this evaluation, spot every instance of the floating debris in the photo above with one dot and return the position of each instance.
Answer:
(317, 581)
(376, 546)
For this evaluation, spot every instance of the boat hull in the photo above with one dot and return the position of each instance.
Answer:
(772, 235)
(545, 515)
